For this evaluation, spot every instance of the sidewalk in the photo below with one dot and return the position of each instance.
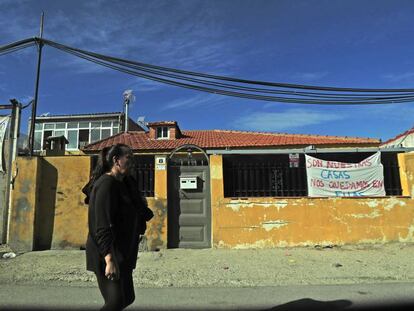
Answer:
(360, 264)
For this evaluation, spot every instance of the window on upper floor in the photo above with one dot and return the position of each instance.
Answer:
(162, 132)
(83, 138)
(77, 133)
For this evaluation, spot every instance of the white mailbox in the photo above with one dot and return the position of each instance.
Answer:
(188, 182)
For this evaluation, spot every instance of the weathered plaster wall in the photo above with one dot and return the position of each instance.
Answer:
(48, 210)
(71, 218)
(156, 233)
(272, 222)
(61, 210)
(24, 203)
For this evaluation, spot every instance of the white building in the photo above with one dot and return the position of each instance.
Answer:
(80, 129)
(404, 140)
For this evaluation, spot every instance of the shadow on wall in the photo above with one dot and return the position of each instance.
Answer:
(45, 210)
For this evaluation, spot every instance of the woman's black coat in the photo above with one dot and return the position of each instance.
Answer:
(116, 217)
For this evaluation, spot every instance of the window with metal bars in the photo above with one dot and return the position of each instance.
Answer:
(274, 176)
(142, 169)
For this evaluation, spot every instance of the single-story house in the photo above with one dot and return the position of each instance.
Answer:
(219, 188)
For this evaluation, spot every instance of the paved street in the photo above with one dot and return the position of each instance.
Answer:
(391, 296)
(370, 277)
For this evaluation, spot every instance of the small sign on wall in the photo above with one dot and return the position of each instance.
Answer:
(293, 159)
(160, 163)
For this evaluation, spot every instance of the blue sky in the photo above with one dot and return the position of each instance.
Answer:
(337, 43)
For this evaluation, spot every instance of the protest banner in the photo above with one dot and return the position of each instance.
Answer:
(339, 179)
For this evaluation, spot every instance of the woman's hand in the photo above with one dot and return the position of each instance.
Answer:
(110, 269)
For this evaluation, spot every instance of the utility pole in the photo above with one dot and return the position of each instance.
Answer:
(34, 107)
(14, 130)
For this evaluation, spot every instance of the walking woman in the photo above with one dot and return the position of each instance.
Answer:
(115, 218)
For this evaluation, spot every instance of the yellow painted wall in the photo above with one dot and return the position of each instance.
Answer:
(406, 163)
(61, 185)
(156, 233)
(217, 192)
(24, 202)
(48, 210)
(272, 222)
(47, 204)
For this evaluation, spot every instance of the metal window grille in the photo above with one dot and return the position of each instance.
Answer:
(263, 176)
(272, 176)
(389, 160)
(392, 180)
(142, 170)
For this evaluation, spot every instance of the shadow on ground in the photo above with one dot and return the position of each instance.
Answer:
(297, 305)
(339, 305)
(310, 304)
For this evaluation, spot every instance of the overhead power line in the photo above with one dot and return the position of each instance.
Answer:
(229, 86)
(15, 46)
(159, 75)
(223, 78)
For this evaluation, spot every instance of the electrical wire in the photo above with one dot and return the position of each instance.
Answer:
(224, 78)
(28, 104)
(17, 48)
(397, 97)
(400, 99)
(242, 88)
(17, 43)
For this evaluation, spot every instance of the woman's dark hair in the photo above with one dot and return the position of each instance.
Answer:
(105, 164)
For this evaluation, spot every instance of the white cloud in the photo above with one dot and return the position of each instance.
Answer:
(399, 77)
(144, 85)
(287, 120)
(25, 99)
(309, 76)
(16, 26)
(202, 99)
(396, 112)
(116, 30)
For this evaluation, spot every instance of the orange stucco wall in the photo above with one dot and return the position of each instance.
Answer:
(156, 233)
(23, 204)
(272, 222)
(61, 184)
(48, 211)
(47, 204)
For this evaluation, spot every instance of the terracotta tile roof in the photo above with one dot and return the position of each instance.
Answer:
(211, 139)
(162, 123)
(406, 133)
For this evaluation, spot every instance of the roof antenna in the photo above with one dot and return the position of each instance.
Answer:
(128, 98)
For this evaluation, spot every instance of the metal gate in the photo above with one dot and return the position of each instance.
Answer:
(189, 210)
